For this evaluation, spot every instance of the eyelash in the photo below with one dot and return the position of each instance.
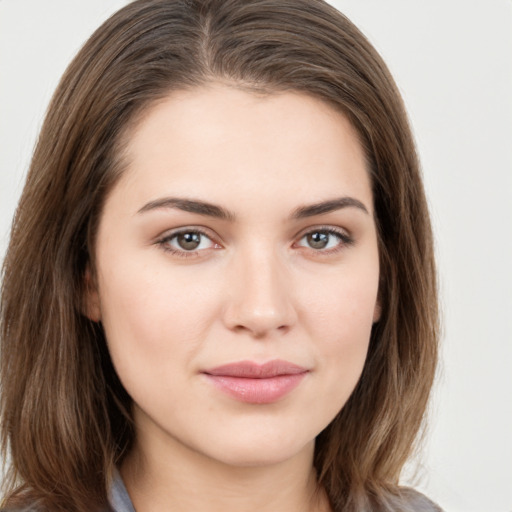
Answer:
(345, 240)
(164, 242)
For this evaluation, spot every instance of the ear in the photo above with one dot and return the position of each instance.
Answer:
(377, 311)
(91, 300)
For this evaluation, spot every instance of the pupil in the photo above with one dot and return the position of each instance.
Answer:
(189, 241)
(318, 240)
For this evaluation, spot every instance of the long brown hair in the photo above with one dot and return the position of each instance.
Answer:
(65, 415)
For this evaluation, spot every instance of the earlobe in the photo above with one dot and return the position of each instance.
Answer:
(377, 312)
(91, 300)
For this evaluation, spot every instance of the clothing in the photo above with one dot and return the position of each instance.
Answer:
(121, 502)
(119, 499)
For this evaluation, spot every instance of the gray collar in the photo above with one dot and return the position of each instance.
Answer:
(119, 498)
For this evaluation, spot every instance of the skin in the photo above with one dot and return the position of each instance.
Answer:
(255, 289)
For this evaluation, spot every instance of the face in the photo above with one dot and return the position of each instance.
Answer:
(237, 272)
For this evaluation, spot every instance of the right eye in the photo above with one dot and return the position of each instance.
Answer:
(187, 242)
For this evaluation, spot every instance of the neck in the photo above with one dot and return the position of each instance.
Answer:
(178, 479)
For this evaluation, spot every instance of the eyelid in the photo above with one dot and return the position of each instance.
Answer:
(163, 240)
(343, 232)
(346, 238)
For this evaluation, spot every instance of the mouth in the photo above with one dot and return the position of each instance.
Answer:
(249, 382)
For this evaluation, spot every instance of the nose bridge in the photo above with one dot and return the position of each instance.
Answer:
(262, 300)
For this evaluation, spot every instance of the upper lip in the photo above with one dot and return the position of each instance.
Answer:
(252, 370)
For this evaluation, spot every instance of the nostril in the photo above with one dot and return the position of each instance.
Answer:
(260, 306)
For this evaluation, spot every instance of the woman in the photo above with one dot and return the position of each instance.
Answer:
(220, 287)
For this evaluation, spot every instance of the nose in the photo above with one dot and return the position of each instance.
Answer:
(260, 298)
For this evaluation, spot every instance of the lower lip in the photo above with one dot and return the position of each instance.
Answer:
(257, 391)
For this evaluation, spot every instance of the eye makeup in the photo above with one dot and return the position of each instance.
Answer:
(192, 241)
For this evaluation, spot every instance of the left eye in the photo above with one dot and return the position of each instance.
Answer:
(321, 240)
(189, 241)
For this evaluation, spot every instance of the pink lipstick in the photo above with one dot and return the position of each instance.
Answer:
(257, 384)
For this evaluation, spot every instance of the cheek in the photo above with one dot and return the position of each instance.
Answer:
(340, 318)
(343, 306)
(151, 317)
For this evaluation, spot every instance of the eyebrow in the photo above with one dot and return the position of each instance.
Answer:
(212, 210)
(189, 205)
(328, 206)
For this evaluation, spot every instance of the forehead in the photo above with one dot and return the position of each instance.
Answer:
(218, 139)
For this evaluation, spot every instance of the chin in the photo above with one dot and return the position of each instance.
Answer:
(255, 453)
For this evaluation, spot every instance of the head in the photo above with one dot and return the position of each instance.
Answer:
(75, 420)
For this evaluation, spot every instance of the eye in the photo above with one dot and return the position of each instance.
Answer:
(324, 240)
(187, 241)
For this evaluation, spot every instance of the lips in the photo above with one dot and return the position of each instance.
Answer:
(250, 382)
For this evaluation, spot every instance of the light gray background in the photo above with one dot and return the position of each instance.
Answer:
(452, 60)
